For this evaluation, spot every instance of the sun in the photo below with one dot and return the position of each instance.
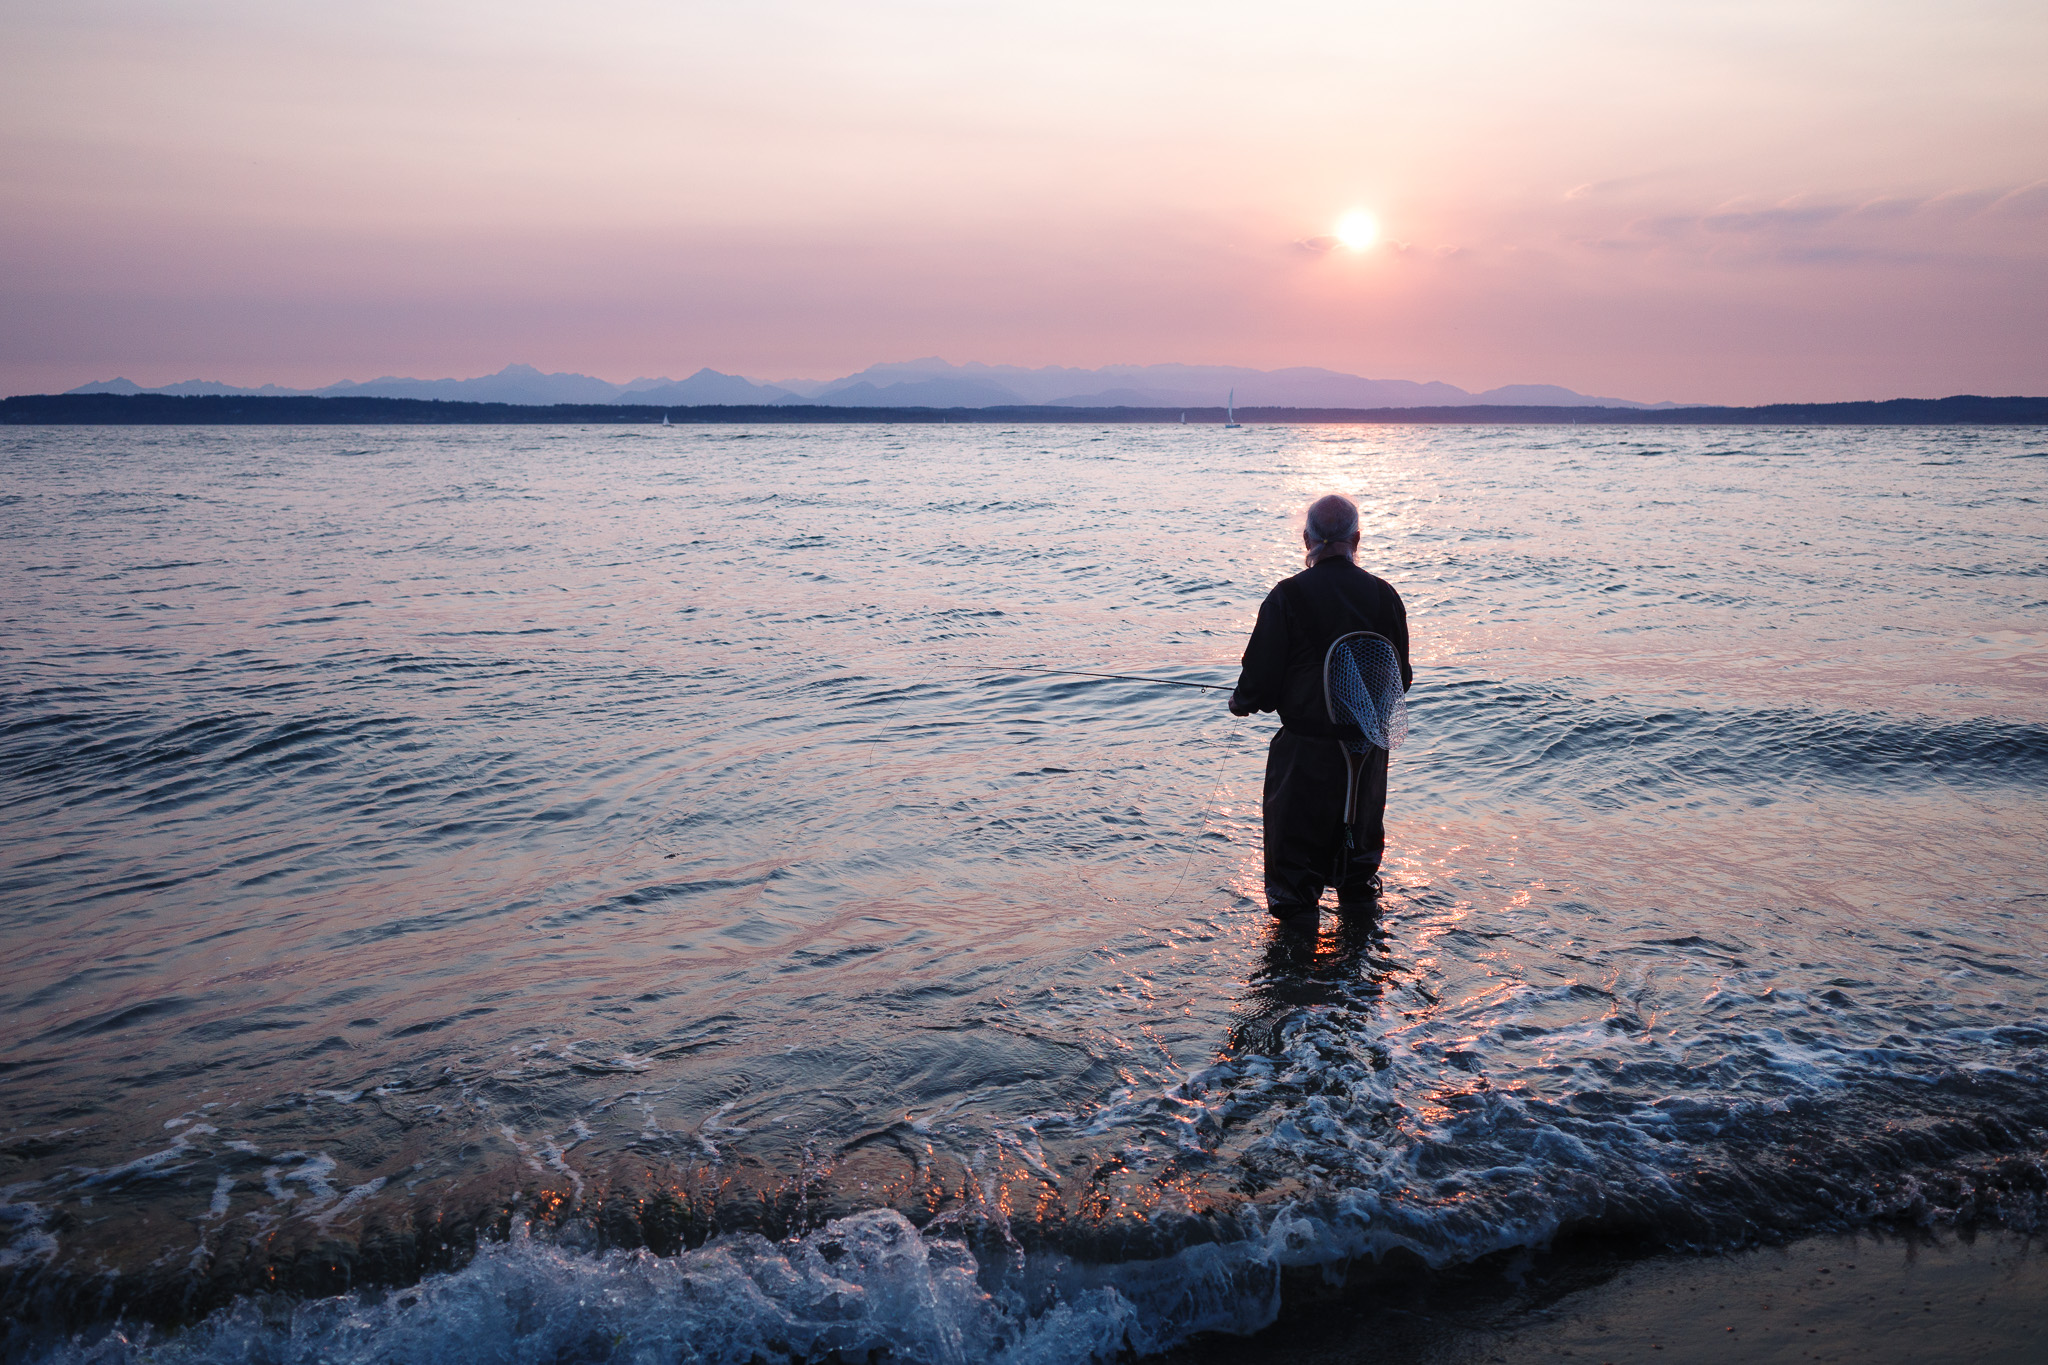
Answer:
(1357, 230)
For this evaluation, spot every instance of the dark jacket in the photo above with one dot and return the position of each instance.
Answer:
(1283, 664)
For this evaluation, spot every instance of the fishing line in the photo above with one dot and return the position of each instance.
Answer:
(1188, 858)
(1076, 673)
(1193, 846)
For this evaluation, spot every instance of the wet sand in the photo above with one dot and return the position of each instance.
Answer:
(1862, 1298)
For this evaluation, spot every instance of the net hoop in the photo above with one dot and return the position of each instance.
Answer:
(1362, 688)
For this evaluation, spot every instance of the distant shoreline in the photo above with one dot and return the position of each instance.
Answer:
(102, 409)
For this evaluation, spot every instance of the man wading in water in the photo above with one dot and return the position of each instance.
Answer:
(1305, 774)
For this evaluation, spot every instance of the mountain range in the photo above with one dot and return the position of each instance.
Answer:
(934, 383)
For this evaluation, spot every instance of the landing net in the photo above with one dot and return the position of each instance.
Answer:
(1362, 680)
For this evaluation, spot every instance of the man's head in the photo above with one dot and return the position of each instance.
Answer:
(1331, 528)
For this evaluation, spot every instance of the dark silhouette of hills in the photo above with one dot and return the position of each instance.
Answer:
(928, 383)
(514, 384)
(150, 409)
(932, 382)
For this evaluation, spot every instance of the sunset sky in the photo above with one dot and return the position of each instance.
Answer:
(1723, 202)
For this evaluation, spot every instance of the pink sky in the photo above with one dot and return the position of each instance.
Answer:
(1725, 202)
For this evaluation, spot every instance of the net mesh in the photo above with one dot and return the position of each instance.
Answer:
(1362, 677)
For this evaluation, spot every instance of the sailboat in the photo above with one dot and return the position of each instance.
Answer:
(1230, 418)
(665, 422)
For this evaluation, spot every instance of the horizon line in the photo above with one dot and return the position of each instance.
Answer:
(96, 409)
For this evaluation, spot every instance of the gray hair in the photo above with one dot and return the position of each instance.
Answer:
(1332, 521)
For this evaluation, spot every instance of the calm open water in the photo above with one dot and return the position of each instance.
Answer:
(632, 852)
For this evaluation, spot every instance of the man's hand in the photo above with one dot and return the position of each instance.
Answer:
(1237, 708)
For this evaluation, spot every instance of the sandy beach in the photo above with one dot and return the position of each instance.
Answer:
(1876, 1299)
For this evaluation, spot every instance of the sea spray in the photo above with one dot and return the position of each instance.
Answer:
(868, 1286)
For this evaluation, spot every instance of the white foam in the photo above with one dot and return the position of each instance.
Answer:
(866, 1285)
(27, 1238)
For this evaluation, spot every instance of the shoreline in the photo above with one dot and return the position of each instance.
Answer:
(1977, 1293)
(1974, 1293)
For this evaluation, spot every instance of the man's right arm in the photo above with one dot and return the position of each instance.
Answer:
(1265, 661)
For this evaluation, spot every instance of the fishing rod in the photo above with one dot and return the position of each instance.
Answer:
(1076, 673)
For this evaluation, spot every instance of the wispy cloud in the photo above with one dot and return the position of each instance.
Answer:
(1960, 223)
(1598, 188)
(2029, 201)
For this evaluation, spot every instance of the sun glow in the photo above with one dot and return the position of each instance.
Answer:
(1357, 230)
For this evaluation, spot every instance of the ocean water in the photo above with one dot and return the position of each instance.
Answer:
(593, 894)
